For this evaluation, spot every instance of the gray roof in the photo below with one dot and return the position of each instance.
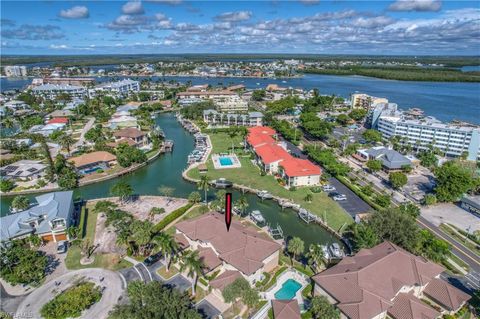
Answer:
(50, 206)
(391, 159)
(57, 87)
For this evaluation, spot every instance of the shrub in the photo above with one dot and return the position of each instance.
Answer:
(171, 217)
(429, 200)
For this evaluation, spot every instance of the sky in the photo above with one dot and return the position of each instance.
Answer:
(399, 27)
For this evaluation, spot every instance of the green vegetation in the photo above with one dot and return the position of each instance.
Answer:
(469, 243)
(250, 175)
(372, 136)
(258, 95)
(171, 217)
(328, 160)
(322, 308)
(154, 300)
(403, 73)
(192, 265)
(195, 110)
(453, 180)
(273, 280)
(240, 290)
(6, 185)
(22, 265)
(296, 247)
(20, 203)
(128, 155)
(122, 190)
(289, 132)
(71, 302)
(374, 165)
(314, 126)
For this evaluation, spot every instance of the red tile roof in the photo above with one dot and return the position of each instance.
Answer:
(265, 130)
(260, 139)
(286, 309)
(58, 120)
(270, 153)
(294, 167)
(445, 294)
(407, 306)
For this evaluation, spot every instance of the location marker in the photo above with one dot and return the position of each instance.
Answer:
(228, 210)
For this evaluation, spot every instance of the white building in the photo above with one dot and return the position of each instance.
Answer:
(214, 118)
(122, 88)
(15, 70)
(361, 100)
(230, 103)
(51, 91)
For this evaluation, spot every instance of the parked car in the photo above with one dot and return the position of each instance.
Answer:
(328, 188)
(340, 197)
(62, 247)
(150, 260)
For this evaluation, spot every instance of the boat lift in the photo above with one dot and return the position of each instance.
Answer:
(306, 216)
(276, 233)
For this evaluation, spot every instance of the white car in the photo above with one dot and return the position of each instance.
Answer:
(328, 188)
(61, 247)
(340, 197)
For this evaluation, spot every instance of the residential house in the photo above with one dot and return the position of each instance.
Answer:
(242, 251)
(123, 121)
(300, 172)
(139, 138)
(270, 156)
(91, 162)
(49, 219)
(391, 159)
(47, 129)
(286, 309)
(60, 113)
(23, 170)
(387, 281)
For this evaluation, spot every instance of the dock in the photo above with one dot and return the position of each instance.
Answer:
(168, 145)
(306, 216)
(277, 232)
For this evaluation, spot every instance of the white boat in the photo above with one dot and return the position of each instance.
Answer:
(264, 195)
(257, 217)
(258, 83)
(326, 254)
(284, 81)
(335, 250)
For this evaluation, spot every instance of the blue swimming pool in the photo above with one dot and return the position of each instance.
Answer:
(225, 161)
(288, 290)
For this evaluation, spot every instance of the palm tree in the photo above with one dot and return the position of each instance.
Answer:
(8, 123)
(72, 232)
(295, 247)
(122, 190)
(34, 241)
(193, 265)
(242, 204)
(155, 211)
(167, 245)
(315, 256)
(308, 198)
(66, 141)
(194, 197)
(204, 185)
(167, 192)
(232, 132)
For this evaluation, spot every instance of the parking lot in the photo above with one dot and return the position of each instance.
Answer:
(207, 309)
(353, 205)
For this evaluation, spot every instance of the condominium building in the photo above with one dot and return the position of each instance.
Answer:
(231, 103)
(361, 100)
(121, 88)
(51, 91)
(452, 139)
(214, 118)
(15, 70)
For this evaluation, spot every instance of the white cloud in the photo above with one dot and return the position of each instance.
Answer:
(77, 12)
(58, 46)
(416, 5)
(133, 7)
(234, 16)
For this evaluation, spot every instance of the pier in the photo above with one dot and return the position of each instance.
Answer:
(306, 216)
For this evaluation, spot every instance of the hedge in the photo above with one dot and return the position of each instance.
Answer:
(171, 217)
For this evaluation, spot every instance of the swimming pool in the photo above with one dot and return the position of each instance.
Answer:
(225, 161)
(288, 290)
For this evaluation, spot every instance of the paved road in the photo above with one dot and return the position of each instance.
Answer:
(111, 295)
(354, 204)
(85, 129)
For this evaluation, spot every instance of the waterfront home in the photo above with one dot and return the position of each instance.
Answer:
(391, 159)
(23, 170)
(198, 88)
(299, 172)
(47, 129)
(269, 156)
(260, 135)
(286, 309)
(17, 105)
(123, 121)
(243, 249)
(388, 281)
(91, 162)
(49, 218)
(139, 138)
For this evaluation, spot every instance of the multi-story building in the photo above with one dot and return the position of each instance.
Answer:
(214, 118)
(231, 103)
(15, 70)
(51, 91)
(452, 139)
(361, 100)
(224, 101)
(120, 88)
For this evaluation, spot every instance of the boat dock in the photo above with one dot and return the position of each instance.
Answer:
(168, 145)
(277, 232)
(306, 216)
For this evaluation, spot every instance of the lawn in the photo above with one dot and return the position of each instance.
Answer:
(249, 175)
(88, 221)
(162, 271)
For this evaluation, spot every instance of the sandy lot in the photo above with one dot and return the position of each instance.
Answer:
(451, 214)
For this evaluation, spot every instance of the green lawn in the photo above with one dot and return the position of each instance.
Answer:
(249, 175)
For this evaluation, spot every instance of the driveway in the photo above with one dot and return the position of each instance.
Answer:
(179, 282)
(207, 310)
(354, 204)
(110, 282)
(85, 129)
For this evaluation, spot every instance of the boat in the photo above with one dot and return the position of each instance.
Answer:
(326, 254)
(264, 195)
(284, 81)
(258, 83)
(222, 183)
(335, 250)
(258, 218)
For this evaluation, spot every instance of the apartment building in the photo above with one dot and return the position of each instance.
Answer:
(361, 100)
(231, 103)
(214, 118)
(452, 139)
(119, 88)
(15, 70)
(51, 91)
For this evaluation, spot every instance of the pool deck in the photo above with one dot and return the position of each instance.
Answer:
(288, 274)
(218, 165)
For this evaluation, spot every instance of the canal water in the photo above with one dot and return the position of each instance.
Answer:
(446, 101)
(166, 171)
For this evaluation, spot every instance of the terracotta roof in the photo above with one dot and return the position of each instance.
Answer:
(286, 309)
(123, 140)
(206, 93)
(261, 130)
(300, 167)
(182, 241)
(61, 120)
(209, 259)
(242, 247)
(445, 294)
(225, 279)
(258, 140)
(270, 153)
(365, 284)
(91, 158)
(407, 306)
(129, 133)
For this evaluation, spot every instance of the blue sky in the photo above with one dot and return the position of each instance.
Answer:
(175, 26)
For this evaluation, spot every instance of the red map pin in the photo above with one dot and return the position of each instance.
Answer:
(228, 210)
